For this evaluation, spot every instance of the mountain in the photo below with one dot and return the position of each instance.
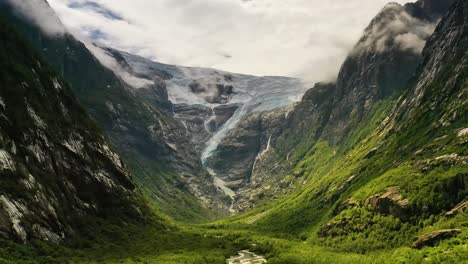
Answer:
(138, 122)
(57, 168)
(399, 173)
(211, 103)
(377, 70)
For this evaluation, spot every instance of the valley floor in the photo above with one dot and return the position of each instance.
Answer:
(212, 243)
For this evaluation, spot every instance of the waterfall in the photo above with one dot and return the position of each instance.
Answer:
(209, 120)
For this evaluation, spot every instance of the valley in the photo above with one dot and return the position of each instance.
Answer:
(109, 157)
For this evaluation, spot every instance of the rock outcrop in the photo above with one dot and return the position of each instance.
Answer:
(390, 203)
(458, 209)
(431, 239)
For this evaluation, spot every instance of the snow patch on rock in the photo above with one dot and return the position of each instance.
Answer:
(37, 152)
(29, 182)
(104, 178)
(106, 150)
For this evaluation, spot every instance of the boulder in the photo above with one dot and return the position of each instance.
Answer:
(434, 237)
(459, 208)
(390, 203)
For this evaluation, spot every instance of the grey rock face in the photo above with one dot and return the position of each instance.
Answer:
(235, 155)
(56, 167)
(430, 10)
(435, 90)
(431, 239)
(390, 203)
(201, 122)
(213, 108)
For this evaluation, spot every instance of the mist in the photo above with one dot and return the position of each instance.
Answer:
(41, 14)
(394, 27)
(298, 38)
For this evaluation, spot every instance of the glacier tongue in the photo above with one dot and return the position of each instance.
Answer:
(212, 144)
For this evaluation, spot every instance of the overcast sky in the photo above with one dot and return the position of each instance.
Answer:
(304, 38)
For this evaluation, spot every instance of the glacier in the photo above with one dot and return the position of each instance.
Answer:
(251, 93)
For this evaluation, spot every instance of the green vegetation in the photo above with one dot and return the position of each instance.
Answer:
(332, 215)
(288, 231)
(178, 205)
(111, 243)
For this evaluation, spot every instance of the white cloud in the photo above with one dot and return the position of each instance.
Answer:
(261, 37)
(108, 61)
(394, 27)
(40, 14)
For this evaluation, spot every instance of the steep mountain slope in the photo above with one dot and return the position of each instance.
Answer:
(399, 173)
(57, 170)
(138, 122)
(376, 71)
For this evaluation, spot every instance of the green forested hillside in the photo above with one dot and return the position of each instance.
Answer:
(401, 170)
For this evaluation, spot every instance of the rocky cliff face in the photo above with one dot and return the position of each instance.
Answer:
(202, 122)
(56, 167)
(139, 122)
(235, 157)
(429, 10)
(164, 119)
(439, 88)
(382, 62)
